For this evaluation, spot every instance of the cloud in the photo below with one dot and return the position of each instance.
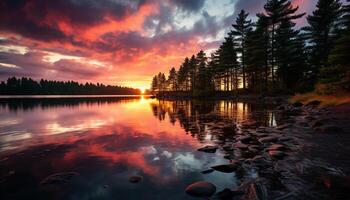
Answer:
(190, 5)
(48, 20)
(35, 65)
(113, 41)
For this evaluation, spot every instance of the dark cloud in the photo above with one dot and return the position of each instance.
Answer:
(39, 19)
(207, 25)
(33, 64)
(190, 5)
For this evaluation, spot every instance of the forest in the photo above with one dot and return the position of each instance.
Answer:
(271, 55)
(28, 86)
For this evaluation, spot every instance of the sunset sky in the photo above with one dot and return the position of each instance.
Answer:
(112, 41)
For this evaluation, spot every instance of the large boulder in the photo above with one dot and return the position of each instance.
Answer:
(201, 189)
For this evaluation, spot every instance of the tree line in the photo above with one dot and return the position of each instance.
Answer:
(28, 86)
(271, 55)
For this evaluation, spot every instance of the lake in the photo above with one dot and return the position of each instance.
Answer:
(88, 148)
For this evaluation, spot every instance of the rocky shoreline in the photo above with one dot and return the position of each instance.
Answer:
(289, 161)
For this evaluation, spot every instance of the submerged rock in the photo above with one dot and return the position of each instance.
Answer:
(285, 139)
(135, 179)
(277, 154)
(284, 126)
(227, 148)
(268, 139)
(201, 189)
(229, 168)
(240, 145)
(208, 149)
(58, 178)
(244, 139)
(275, 147)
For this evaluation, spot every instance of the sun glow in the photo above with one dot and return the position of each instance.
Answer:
(143, 90)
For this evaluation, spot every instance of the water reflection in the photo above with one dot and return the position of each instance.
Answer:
(215, 120)
(107, 140)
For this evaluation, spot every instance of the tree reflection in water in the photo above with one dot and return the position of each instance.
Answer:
(216, 120)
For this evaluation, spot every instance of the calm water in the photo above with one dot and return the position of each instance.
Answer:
(104, 141)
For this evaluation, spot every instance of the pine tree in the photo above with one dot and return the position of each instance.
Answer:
(339, 62)
(276, 12)
(183, 75)
(193, 69)
(242, 27)
(321, 32)
(203, 76)
(172, 79)
(154, 85)
(289, 55)
(228, 63)
(257, 55)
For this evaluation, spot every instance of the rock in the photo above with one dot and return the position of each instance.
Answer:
(240, 145)
(135, 179)
(276, 154)
(229, 168)
(208, 149)
(276, 147)
(258, 159)
(268, 139)
(201, 189)
(227, 148)
(284, 126)
(285, 139)
(298, 104)
(58, 178)
(244, 139)
(208, 171)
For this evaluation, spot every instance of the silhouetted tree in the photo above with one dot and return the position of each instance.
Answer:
(321, 32)
(242, 27)
(27, 86)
